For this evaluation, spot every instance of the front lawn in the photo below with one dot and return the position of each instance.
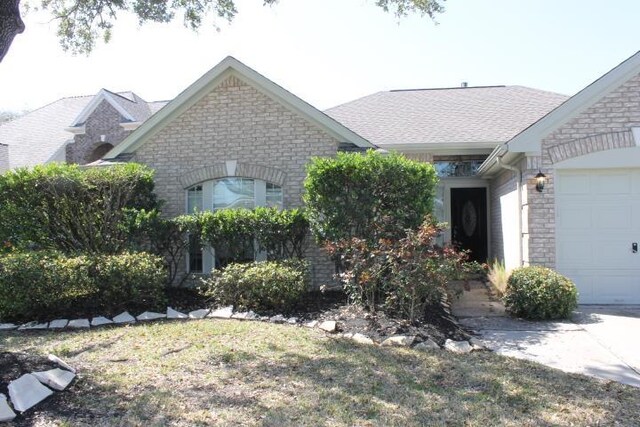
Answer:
(217, 372)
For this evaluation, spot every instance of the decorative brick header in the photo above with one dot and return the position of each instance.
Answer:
(222, 170)
(590, 144)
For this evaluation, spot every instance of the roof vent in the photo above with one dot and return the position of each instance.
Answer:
(464, 84)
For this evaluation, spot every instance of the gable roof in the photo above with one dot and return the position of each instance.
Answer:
(129, 105)
(530, 138)
(205, 84)
(465, 116)
(39, 136)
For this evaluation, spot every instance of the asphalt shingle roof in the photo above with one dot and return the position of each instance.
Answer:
(440, 116)
(40, 136)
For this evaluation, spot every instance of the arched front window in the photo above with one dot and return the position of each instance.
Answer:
(227, 193)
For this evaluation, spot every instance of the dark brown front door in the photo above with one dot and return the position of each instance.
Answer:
(469, 221)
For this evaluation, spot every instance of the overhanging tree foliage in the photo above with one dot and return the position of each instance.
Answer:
(82, 22)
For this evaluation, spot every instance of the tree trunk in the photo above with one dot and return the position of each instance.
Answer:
(10, 24)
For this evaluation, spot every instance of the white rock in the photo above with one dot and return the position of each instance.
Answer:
(6, 413)
(278, 318)
(58, 323)
(32, 326)
(427, 345)
(477, 345)
(57, 379)
(100, 321)
(55, 359)
(7, 326)
(292, 320)
(79, 323)
(222, 313)
(124, 317)
(460, 347)
(26, 391)
(175, 314)
(360, 338)
(150, 315)
(245, 315)
(199, 314)
(328, 326)
(399, 341)
(311, 324)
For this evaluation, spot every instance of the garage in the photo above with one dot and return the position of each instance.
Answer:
(598, 233)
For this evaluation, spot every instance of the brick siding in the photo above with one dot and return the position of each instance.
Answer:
(604, 126)
(236, 122)
(104, 120)
(4, 157)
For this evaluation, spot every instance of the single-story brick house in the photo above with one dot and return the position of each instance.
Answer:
(235, 138)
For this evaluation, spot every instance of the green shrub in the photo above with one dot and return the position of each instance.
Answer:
(540, 293)
(269, 285)
(48, 284)
(235, 232)
(72, 209)
(352, 194)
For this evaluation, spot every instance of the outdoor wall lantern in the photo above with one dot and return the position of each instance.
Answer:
(540, 181)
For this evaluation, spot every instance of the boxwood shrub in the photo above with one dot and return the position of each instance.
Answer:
(42, 285)
(539, 293)
(268, 285)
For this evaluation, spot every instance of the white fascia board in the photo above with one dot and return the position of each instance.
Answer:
(100, 96)
(76, 130)
(529, 140)
(442, 147)
(205, 84)
(130, 125)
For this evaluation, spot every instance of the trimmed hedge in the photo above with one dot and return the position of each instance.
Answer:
(280, 233)
(539, 293)
(48, 284)
(72, 209)
(270, 285)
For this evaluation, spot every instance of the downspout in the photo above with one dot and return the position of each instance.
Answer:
(518, 173)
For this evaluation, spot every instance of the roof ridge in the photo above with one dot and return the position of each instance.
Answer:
(447, 88)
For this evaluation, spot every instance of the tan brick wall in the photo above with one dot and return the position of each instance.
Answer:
(236, 122)
(604, 126)
(104, 120)
(4, 157)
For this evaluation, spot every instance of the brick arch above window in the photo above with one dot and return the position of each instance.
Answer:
(591, 144)
(233, 168)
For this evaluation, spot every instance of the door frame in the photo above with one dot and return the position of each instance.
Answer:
(455, 182)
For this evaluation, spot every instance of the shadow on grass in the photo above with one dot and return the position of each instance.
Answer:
(336, 382)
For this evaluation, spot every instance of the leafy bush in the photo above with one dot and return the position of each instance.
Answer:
(352, 195)
(540, 293)
(402, 276)
(234, 232)
(269, 285)
(498, 276)
(72, 209)
(50, 284)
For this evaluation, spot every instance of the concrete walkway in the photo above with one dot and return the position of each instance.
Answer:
(600, 341)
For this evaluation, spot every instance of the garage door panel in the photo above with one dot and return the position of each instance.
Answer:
(597, 219)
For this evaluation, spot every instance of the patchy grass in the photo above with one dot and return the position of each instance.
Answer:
(498, 276)
(245, 373)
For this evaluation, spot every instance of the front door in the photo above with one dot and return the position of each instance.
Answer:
(469, 221)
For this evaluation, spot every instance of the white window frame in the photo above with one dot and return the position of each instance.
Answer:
(260, 199)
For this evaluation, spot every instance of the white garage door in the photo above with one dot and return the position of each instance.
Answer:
(597, 223)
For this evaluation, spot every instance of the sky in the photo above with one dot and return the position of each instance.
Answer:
(329, 52)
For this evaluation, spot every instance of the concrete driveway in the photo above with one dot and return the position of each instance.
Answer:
(600, 341)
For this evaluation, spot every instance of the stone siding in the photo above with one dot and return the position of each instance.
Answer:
(236, 130)
(606, 125)
(4, 157)
(104, 120)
